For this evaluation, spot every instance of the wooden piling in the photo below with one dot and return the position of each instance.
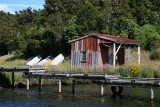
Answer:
(152, 94)
(73, 86)
(114, 55)
(13, 80)
(139, 54)
(60, 85)
(27, 84)
(39, 82)
(102, 90)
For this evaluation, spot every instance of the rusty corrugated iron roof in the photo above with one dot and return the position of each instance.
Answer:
(112, 38)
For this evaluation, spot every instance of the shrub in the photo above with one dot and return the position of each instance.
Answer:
(124, 72)
(155, 55)
(135, 70)
(147, 73)
(156, 74)
(4, 80)
(67, 82)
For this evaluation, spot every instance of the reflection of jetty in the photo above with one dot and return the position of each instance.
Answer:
(115, 81)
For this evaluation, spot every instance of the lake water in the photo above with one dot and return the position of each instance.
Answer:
(85, 96)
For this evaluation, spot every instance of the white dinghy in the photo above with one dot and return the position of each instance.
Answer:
(44, 61)
(34, 61)
(57, 60)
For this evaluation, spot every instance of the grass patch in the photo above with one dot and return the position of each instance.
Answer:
(11, 60)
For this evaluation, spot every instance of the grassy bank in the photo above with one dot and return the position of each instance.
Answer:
(11, 60)
(133, 70)
(147, 69)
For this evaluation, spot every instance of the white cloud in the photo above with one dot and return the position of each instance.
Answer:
(5, 8)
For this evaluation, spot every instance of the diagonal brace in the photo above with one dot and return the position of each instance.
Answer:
(118, 49)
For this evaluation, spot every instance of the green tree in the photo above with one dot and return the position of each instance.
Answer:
(47, 31)
(127, 26)
(149, 35)
(71, 29)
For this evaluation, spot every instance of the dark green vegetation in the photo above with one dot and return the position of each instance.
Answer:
(136, 71)
(30, 32)
(155, 54)
(4, 81)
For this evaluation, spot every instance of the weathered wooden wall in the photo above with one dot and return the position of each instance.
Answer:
(90, 46)
(96, 52)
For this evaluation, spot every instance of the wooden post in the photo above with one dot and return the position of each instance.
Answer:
(152, 94)
(73, 86)
(13, 80)
(39, 82)
(114, 55)
(139, 55)
(60, 87)
(118, 48)
(27, 84)
(102, 90)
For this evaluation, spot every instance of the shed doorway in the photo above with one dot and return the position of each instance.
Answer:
(104, 54)
(110, 56)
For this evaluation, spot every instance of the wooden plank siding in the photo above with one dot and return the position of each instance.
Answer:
(96, 52)
(90, 45)
(98, 49)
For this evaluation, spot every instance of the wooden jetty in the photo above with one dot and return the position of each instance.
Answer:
(115, 81)
(23, 69)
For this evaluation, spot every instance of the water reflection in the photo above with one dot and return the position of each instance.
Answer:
(85, 95)
(117, 96)
(102, 100)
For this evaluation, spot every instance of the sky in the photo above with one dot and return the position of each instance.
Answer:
(16, 5)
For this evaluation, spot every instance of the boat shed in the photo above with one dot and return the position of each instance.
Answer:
(96, 50)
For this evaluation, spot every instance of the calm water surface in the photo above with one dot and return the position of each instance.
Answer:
(85, 96)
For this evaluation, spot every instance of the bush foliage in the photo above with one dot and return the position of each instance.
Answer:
(155, 54)
(156, 74)
(147, 73)
(123, 71)
(135, 70)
